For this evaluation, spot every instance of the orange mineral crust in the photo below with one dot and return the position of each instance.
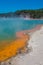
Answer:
(12, 49)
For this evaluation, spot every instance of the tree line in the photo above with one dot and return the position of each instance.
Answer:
(31, 13)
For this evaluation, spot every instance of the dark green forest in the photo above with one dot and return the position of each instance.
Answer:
(30, 13)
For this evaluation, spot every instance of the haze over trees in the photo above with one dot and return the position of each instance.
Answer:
(23, 13)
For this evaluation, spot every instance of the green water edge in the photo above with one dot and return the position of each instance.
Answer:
(7, 40)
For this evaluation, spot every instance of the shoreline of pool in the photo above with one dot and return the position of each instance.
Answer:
(29, 31)
(22, 37)
(31, 19)
(19, 34)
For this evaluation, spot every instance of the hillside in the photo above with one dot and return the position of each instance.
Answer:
(24, 13)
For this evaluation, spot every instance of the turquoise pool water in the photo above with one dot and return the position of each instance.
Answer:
(9, 26)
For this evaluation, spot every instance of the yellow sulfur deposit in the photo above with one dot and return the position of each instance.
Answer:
(13, 48)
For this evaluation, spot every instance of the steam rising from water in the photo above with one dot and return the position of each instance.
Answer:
(9, 26)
